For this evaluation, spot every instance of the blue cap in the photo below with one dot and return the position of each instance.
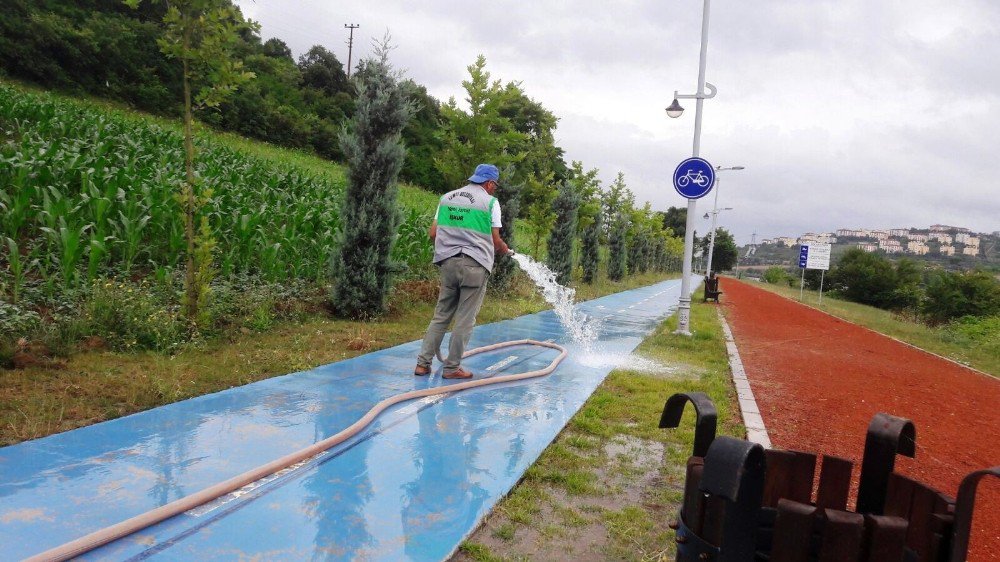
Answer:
(485, 172)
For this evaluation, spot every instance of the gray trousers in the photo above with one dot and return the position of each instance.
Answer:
(463, 286)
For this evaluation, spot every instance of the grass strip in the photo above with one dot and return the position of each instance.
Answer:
(609, 484)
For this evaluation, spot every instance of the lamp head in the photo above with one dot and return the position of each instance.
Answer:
(675, 110)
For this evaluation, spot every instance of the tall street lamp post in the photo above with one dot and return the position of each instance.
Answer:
(711, 241)
(715, 214)
(674, 111)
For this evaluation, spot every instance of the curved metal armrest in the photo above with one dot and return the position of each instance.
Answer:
(887, 437)
(706, 418)
(965, 505)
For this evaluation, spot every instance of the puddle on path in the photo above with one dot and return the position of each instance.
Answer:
(630, 362)
(578, 528)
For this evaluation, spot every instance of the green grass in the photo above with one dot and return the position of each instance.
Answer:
(934, 339)
(626, 406)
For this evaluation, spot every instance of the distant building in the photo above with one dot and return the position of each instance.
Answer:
(941, 237)
(879, 234)
(947, 250)
(852, 232)
(867, 246)
(812, 238)
(917, 237)
(899, 232)
(946, 228)
(967, 239)
(916, 247)
(786, 241)
(970, 251)
(890, 246)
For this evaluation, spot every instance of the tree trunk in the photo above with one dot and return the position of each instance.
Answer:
(188, 192)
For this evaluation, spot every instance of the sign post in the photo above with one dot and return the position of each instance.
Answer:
(693, 179)
(814, 256)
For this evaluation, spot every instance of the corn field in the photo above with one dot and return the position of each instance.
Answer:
(86, 192)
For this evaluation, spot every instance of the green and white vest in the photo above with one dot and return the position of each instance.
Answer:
(465, 225)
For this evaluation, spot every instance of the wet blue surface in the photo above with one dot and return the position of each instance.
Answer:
(410, 487)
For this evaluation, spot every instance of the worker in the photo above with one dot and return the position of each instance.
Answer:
(466, 235)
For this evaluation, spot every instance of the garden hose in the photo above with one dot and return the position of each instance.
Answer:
(103, 536)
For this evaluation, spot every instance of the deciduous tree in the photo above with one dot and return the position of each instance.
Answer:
(200, 34)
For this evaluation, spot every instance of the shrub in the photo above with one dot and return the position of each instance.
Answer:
(776, 276)
(952, 295)
(972, 331)
(17, 322)
(872, 279)
(133, 317)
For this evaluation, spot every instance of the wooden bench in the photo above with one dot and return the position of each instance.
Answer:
(744, 504)
(712, 289)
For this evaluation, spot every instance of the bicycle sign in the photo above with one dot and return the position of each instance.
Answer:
(694, 178)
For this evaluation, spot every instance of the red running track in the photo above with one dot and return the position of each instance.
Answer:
(819, 380)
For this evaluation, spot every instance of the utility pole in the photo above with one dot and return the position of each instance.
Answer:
(350, 46)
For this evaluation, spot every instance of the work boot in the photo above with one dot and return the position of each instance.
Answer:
(421, 370)
(458, 373)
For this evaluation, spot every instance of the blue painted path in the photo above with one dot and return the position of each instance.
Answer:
(410, 487)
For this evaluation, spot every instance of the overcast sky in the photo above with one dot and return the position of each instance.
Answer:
(846, 113)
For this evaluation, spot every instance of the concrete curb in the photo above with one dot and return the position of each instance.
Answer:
(756, 432)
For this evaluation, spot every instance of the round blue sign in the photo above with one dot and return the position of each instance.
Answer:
(694, 178)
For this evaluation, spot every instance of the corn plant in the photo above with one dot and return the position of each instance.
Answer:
(19, 267)
(93, 189)
(413, 246)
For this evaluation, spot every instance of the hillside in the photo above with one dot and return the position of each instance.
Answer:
(91, 233)
(91, 192)
(767, 255)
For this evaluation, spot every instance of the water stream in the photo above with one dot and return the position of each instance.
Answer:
(581, 327)
(584, 329)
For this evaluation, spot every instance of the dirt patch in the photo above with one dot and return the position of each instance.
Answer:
(27, 355)
(595, 526)
(421, 290)
(819, 380)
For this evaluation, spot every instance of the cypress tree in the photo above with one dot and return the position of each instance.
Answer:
(618, 247)
(560, 258)
(635, 253)
(590, 256)
(509, 195)
(362, 269)
(588, 218)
